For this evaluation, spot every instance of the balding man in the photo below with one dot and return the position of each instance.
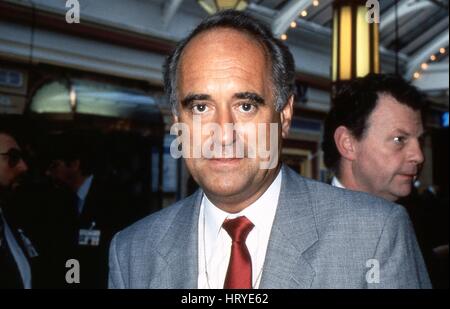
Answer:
(255, 223)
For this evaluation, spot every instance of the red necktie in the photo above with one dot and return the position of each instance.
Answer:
(239, 273)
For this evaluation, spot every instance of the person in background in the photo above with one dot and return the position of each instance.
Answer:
(99, 208)
(372, 142)
(15, 247)
(373, 136)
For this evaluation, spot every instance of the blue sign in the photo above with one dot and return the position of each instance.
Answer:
(11, 78)
(444, 120)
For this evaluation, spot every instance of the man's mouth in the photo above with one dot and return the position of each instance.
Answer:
(225, 161)
(411, 176)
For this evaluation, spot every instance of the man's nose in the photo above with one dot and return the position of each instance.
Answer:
(416, 153)
(22, 166)
(226, 122)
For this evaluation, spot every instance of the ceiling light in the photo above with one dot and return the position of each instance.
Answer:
(213, 6)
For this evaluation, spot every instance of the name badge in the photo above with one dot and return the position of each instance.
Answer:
(89, 237)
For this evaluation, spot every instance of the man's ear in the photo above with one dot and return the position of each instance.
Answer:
(286, 116)
(345, 143)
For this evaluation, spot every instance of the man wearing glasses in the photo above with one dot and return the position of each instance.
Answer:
(15, 270)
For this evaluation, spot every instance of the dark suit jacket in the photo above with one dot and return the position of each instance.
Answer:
(110, 208)
(49, 217)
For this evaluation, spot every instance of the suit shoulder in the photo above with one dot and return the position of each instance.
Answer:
(155, 224)
(353, 200)
(334, 205)
(345, 213)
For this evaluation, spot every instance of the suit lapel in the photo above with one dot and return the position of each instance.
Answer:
(293, 232)
(91, 205)
(179, 246)
(285, 266)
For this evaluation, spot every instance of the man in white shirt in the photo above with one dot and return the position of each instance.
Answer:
(373, 136)
(254, 223)
(213, 262)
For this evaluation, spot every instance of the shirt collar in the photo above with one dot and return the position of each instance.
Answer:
(214, 216)
(84, 189)
(336, 183)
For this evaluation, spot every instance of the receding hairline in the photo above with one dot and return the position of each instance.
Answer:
(386, 94)
(391, 99)
(224, 28)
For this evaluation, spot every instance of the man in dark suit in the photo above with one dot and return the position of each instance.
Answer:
(15, 248)
(100, 208)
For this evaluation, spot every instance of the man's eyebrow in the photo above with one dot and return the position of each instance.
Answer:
(403, 132)
(191, 97)
(250, 96)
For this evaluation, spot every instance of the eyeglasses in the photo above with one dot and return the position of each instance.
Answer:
(14, 156)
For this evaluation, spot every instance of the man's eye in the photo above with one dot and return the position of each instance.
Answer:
(247, 107)
(400, 140)
(199, 108)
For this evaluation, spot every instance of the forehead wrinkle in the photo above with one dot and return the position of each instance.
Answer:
(219, 74)
(227, 74)
(229, 83)
(399, 125)
(219, 65)
(406, 128)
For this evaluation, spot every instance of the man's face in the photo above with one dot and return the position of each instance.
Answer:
(61, 172)
(389, 155)
(225, 78)
(11, 169)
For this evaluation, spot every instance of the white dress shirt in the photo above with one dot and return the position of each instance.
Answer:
(336, 183)
(214, 243)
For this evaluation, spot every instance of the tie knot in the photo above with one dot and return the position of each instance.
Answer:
(238, 228)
